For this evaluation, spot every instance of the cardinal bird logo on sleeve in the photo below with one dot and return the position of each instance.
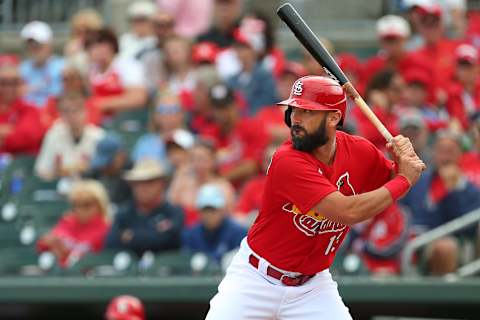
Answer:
(344, 185)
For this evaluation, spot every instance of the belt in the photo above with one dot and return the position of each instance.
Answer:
(274, 273)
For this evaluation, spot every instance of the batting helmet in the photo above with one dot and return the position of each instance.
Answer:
(125, 308)
(316, 93)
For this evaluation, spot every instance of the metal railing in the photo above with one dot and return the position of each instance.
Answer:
(448, 228)
(16, 13)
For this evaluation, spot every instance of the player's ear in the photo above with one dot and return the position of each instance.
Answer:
(334, 118)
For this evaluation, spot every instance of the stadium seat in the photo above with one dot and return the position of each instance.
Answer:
(168, 264)
(105, 264)
(20, 261)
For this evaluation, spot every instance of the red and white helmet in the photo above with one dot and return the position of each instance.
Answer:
(316, 93)
(125, 308)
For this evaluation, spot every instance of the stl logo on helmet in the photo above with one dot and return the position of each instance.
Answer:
(298, 88)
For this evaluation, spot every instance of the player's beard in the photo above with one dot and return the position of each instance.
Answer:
(310, 141)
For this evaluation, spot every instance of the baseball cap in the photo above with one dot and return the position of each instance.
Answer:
(210, 196)
(417, 75)
(141, 9)
(221, 95)
(182, 138)
(251, 34)
(38, 31)
(392, 26)
(429, 8)
(411, 119)
(105, 151)
(125, 307)
(467, 53)
(205, 52)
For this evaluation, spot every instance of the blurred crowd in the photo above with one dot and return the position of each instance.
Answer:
(208, 75)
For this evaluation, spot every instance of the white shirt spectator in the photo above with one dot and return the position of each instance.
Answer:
(60, 149)
(132, 45)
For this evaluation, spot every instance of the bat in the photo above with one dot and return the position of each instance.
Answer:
(309, 40)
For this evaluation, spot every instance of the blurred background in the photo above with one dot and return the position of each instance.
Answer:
(134, 138)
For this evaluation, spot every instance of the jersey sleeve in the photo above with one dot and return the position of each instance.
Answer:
(300, 181)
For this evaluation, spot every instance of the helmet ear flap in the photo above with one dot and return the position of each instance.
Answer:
(287, 119)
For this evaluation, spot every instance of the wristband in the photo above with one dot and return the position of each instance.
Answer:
(398, 186)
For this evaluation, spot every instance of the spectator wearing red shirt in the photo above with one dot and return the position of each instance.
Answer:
(392, 32)
(239, 142)
(385, 93)
(470, 161)
(81, 230)
(117, 84)
(272, 117)
(464, 91)
(437, 50)
(21, 127)
(250, 198)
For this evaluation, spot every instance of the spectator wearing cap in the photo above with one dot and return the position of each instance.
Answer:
(21, 127)
(239, 141)
(82, 23)
(464, 91)
(147, 222)
(192, 17)
(201, 169)
(226, 17)
(42, 71)
(216, 233)
(178, 144)
(273, 117)
(254, 81)
(165, 118)
(83, 228)
(470, 161)
(117, 83)
(70, 143)
(412, 125)
(140, 37)
(108, 164)
(180, 70)
(416, 96)
(436, 50)
(125, 307)
(152, 59)
(442, 194)
(392, 34)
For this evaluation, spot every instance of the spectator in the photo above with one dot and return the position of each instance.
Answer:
(201, 118)
(108, 164)
(217, 233)
(273, 117)
(441, 195)
(200, 170)
(254, 81)
(152, 59)
(166, 117)
(178, 145)
(412, 125)
(141, 36)
(464, 91)
(125, 308)
(180, 80)
(148, 222)
(392, 32)
(416, 96)
(239, 142)
(21, 128)
(81, 230)
(192, 17)
(226, 16)
(82, 23)
(250, 198)
(311, 64)
(70, 142)
(42, 72)
(117, 83)
(73, 82)
(470, 161)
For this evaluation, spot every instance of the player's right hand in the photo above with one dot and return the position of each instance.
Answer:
(410, 166)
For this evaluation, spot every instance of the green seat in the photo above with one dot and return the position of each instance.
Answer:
(19, 261)
(107, 263)
(168, 264)
(9, 236)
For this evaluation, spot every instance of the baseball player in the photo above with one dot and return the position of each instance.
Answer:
(319, 182)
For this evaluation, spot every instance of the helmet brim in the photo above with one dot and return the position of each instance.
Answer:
(306, 104)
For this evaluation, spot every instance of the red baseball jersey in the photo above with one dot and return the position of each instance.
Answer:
(288, 233)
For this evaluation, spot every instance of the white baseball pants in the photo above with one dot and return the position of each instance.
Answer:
(248, 293)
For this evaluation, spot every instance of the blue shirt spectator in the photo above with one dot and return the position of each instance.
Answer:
(216, 234)
(149, 146)
(42, 72)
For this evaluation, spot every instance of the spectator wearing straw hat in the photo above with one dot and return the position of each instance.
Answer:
(148, 222)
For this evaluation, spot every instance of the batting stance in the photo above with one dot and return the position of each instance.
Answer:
(319, 183)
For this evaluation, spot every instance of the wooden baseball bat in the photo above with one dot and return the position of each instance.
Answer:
(309, 40)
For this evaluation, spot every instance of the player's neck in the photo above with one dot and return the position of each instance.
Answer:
(326, 153)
